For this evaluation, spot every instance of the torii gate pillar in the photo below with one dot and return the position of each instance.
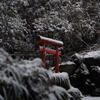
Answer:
(43, 48)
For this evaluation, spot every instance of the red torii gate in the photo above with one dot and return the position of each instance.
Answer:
(43, 48)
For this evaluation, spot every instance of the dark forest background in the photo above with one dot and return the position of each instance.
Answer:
(75, 22)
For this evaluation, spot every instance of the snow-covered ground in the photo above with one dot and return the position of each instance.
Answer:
(91, 98)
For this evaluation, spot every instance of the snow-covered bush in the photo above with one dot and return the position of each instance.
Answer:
(70, 21)
(13, 31)
(26, 80)
(61, 79)
(75, 22)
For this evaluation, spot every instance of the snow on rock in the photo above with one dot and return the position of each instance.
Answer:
(68, 67)
(87, 76)
(77, 58)
(92, 54)
(68, 63)
(95, 74)
(89, 58)
(92, 58)
(91, 98)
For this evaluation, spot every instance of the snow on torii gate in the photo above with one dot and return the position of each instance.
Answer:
(43, 48)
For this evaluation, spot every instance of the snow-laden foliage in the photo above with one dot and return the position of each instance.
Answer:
(61, 79)
(75, 93)
(27, 80)
(12, 27)
(75, 22)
